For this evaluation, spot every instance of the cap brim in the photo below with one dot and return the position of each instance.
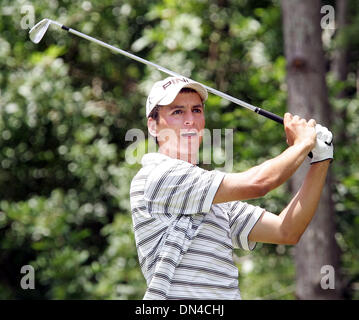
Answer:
(195, 86)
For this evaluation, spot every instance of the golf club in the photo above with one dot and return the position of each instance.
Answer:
(38, 31)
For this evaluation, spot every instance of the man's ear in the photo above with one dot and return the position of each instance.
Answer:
(152, 127)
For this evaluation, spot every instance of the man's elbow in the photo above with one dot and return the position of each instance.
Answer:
(260, 190)
(293, 240)
(263, 187)
(266, 179)
(289, 238)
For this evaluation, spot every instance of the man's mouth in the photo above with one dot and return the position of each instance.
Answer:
(189, 134)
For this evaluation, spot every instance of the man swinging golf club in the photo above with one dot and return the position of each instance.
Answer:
(188, 220)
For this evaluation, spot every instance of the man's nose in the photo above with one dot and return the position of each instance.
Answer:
(188, 118)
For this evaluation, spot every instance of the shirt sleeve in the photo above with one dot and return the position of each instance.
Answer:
(178, 187)
(242, 218)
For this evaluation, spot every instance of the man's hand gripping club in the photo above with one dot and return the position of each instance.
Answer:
(318, 138)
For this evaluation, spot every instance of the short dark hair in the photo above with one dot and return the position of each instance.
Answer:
(155, 113)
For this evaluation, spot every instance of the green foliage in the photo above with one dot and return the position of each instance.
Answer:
(256, 282)
(66, 105)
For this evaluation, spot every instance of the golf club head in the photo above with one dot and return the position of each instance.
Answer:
(38, 30)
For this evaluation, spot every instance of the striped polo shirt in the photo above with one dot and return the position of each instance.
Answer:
(184, 242)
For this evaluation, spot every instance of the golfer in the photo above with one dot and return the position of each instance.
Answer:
(188, 220)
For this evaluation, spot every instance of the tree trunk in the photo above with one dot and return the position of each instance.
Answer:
(308, 97)
(339, 65)
(340, 59)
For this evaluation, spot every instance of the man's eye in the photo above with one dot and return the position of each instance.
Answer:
(197, 110)
(177, 112)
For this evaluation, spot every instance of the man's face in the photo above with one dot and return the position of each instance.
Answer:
(180, 127)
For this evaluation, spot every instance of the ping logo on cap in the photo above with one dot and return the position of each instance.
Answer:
(165, 91)
(174, 81)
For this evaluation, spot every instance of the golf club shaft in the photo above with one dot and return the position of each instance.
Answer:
(38, 31)
(260, 111)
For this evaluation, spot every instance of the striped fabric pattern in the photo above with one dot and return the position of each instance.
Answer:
(185, 244)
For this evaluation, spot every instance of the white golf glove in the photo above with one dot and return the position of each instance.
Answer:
(323, 149)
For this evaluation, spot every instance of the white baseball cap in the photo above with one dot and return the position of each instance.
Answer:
(165, 91)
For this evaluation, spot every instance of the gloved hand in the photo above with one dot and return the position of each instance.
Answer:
(323, 149)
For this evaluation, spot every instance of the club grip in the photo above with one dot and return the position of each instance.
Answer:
(269, 115)
(275, 118)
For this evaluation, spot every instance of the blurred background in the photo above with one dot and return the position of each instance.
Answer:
(66, 105)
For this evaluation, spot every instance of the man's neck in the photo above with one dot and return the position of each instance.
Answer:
(188, 157)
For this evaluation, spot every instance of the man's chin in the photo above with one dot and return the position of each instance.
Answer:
(189, 154)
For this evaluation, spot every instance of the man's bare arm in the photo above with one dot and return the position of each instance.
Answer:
(259, 180)
(290, 224)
